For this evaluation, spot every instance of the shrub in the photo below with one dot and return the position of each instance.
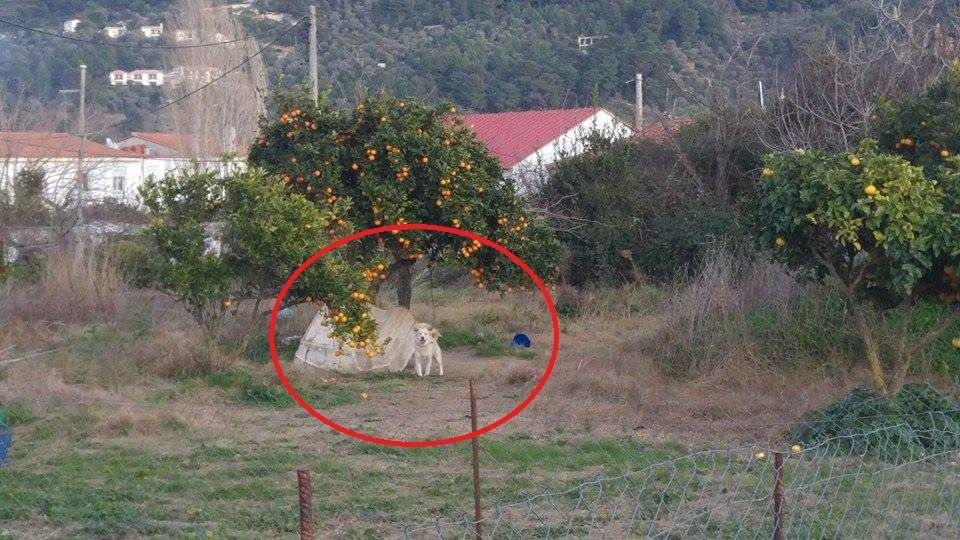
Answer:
(28, 196)
(266, 233)
(622, 210)
(739, 308)
(915, 422)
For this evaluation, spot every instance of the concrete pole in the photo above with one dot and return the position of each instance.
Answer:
(638, 105)
(82, 132)
(314, 83)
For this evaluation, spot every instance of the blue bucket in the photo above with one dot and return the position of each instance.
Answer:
(6, 439)
(520, 340)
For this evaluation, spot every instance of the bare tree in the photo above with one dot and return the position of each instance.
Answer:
(221, 118)
(831, 93)
(715, 156)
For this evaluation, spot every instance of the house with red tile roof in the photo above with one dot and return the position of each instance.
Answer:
(110, 172)
(157, 144)
(174, 145)
(527, 142)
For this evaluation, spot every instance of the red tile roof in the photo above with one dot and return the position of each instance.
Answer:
(43, 144)
(512, 136)
(171, 140)
(660, 131)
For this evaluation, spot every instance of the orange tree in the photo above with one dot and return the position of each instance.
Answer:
(266, 233)
(924, 130)
(397, 161)
(886, 232)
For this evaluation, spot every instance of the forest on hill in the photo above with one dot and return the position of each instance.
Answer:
(484, 56)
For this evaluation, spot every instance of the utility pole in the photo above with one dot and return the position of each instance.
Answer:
(760, 87)
(82, 132)
(314, 84)
(638, 105)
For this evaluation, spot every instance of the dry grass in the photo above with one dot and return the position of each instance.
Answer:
(80, 285)
(173, 349)
(705, 318)
(619, 349)
(617, 364)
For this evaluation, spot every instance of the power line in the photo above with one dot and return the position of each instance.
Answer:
(202, 87)
(152, 47)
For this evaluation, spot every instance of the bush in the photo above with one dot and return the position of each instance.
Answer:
(679, 240)
(28, 187)
(623, 210)
(709, 318)
(915, 422)
(266, 232)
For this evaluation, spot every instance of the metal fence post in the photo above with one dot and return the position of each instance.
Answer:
(306, 505)
(475, 445)
(778, 496)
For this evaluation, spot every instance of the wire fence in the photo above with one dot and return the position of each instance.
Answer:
(836, 488)
(861, 469)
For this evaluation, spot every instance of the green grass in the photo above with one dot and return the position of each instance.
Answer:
(483, 343)
(217, 488)
(246, 389)
(14, 414)
(113, 490)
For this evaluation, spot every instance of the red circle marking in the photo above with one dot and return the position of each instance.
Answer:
(554, 321)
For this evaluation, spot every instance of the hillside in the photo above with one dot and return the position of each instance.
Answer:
(482, 56)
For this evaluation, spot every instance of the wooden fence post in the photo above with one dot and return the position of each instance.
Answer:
(477, 512)
(306, 505)
(778, 496)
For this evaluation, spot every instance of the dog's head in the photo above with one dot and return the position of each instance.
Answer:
(424, 334)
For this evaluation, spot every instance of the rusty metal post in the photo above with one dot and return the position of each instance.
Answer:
(306, 505)
(778, 496)
(477, 512)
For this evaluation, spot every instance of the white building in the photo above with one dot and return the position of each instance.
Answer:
(156, 144)
(144, 77)
(118, 76)
(239, 6)
(152, 31)
(183, 35)
(181, 74)
(70, 26)
(527, 142)
(271, 16)
(113, 174)
(113, 32)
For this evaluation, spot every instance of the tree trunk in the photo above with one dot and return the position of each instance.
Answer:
(873, 352)
(403, 269)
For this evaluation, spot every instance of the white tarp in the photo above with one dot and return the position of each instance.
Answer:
(394, 329)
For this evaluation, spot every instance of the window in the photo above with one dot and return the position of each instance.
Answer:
(118, 180)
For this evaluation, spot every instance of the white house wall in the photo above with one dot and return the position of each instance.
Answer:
(532, 170)
(103, 174)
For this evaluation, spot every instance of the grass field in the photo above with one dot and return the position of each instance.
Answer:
(67, 477)
(127, 425)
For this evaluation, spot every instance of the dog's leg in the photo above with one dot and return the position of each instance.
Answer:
(417, 362)
(429, 364)
(440, 362)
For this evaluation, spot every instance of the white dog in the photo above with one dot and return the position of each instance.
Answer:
(426, 349)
